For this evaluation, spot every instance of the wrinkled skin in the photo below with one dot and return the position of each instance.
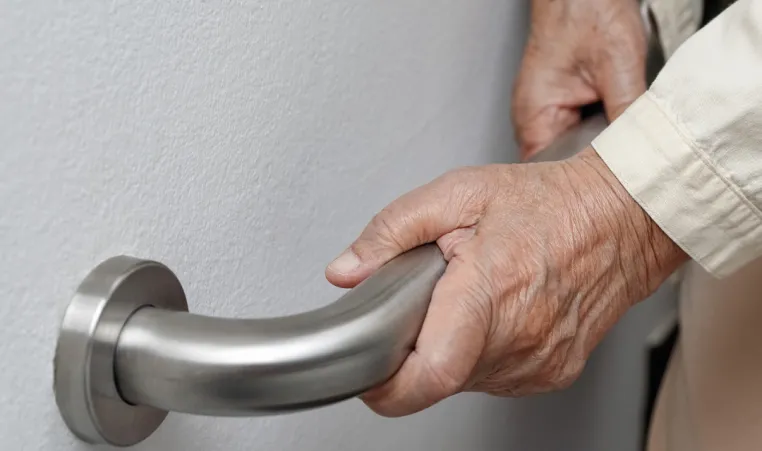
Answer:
(579, 52)
(543, 259)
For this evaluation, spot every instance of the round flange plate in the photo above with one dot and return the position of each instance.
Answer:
(84, 379)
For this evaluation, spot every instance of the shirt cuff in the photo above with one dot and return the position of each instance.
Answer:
(674, 181)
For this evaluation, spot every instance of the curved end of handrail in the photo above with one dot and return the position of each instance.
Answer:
(215, 366)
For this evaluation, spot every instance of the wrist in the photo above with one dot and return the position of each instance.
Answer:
(644, 248)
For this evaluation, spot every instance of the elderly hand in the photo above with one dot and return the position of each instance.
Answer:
(542, 260)
(578, 52)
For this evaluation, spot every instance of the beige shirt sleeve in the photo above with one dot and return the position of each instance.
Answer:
(690, 149)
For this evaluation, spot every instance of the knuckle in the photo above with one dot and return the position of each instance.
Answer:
(479, 296)
(388, 224)
(446, 381)
(565, 377)
(468, 189)
(565, 372)
(478, 303)
(384, 231)
(462, 177)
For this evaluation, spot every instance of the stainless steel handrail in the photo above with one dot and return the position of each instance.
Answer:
(129, 352)
(230, 367)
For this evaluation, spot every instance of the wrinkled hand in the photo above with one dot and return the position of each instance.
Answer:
(579, 52)
(543, 260)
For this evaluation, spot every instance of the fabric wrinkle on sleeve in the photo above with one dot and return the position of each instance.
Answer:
(690, 149)
(681, 190)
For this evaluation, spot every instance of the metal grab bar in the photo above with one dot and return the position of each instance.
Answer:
(128, 350)
(233, 367)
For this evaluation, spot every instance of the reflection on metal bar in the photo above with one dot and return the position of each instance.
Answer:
(230, 367)
(129, 352)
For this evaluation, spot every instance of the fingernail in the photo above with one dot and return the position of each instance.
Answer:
(345, 263)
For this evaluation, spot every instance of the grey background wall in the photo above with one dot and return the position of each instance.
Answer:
(244, 144)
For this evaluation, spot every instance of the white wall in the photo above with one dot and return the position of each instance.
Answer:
(244, 144)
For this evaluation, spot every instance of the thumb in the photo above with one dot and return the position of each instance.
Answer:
(545, 104)
(620, 85)
(453, 201)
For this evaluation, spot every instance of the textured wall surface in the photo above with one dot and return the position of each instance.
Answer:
(244, 144)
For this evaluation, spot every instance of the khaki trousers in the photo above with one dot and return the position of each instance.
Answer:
(711, 398)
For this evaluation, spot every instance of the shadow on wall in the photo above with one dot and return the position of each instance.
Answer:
(499, 126)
